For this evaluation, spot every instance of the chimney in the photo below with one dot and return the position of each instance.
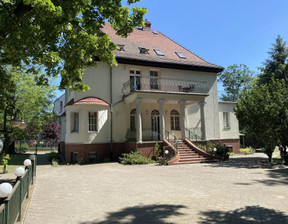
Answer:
(147, 25)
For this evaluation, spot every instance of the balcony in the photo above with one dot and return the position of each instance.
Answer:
(162, 85)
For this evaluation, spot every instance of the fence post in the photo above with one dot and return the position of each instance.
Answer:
(28, 182)
(20, 201)
(6, 212)
(32, 181)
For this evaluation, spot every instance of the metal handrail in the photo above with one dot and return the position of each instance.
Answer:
(175, 139)
(192, 135)
(155, 84)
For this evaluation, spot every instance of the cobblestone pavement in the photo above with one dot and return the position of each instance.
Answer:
(243, 190)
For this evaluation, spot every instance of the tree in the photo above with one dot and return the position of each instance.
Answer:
(235, 79)
(51, 131)
(263, 110)
(276, 65)
(33, 101)
(63, 36)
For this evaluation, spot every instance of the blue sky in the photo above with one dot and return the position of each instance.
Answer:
(223, 32)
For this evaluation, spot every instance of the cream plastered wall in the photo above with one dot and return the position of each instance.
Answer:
(121, 118)
(57, 108)
(233, 131)
(99, 80)
(121, 122)
(63, 129)
(193, 116)
(121, 75)
(84, 136)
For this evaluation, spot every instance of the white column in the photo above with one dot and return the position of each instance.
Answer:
(162, 119)
(183, 118)
(138, 121)
(202, 113)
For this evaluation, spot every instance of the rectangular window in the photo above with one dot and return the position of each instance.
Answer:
(226, 120)
(177, 127)
(132, 123)
(61, 106)
(135, 81)
(93, 121)
(74, 122)
(154, 80)
(172, 123)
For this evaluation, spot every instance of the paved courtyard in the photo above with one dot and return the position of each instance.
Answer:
(244, 190)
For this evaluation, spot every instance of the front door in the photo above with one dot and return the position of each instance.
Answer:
(155, 123)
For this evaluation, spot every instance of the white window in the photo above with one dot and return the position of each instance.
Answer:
(226, 120)
(135, 83)
(74, 122)
(174, 118)
(154, 80)
(93, 117)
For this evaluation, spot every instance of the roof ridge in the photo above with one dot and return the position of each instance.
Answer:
(187, 49)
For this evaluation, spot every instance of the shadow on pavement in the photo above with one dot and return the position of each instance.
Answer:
(142, 214)
(248, 214)
(277, 176)
(249, 162)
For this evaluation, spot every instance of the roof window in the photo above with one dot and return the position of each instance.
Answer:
(158, 52)
(143, 50)
(121, 47)
(180, 55)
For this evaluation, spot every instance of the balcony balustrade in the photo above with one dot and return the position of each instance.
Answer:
(155, 84)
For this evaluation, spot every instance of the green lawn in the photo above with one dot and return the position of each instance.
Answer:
(15, 161)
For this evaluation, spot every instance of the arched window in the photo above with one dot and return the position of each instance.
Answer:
(174, 119)
(132, 120)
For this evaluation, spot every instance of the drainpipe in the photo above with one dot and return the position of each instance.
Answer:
(111, 123)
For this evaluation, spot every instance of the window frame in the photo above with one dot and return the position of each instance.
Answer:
(93, 121)
(175, 120)
(226, 120)
(75, 122)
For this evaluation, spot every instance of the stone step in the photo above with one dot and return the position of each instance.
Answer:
(192, 156)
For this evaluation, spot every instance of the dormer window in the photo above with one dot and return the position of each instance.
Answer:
(158, 52)
(143, 50)
(121, 47)
(180, 55)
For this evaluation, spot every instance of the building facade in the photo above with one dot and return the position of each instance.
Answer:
(159, 89)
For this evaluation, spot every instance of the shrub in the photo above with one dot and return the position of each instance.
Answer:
(222, 151)
(134, 158)
(157, 152)
(200, 146)
(55, 164)
(247, 151)
(53, 155)
(231, 153)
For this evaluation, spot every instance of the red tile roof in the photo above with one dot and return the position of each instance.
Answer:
(88, 101)
(150, 40)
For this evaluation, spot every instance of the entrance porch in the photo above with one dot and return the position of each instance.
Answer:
(154, 119)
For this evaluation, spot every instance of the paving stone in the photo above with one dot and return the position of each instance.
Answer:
(243, 190)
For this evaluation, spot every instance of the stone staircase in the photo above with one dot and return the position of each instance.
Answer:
(188, 156)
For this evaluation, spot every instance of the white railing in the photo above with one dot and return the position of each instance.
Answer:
(138, 83)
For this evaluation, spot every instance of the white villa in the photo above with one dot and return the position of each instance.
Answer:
(159, 92)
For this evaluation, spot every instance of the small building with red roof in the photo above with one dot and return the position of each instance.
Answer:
(159, 92)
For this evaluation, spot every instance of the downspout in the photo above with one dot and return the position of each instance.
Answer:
(111, 118)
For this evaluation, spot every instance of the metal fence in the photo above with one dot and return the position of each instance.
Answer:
(22, 146)
(163, 85)
(10, 209)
